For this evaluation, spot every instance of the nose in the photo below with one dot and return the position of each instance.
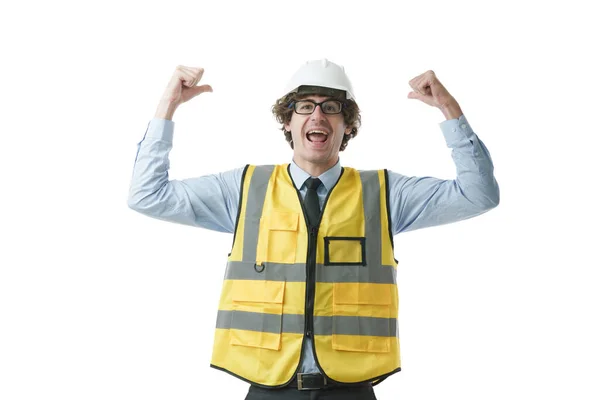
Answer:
(318, 114)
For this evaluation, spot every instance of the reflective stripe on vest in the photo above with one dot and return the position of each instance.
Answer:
(261, 318)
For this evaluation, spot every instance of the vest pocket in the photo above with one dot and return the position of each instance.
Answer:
(361, 317)
(282, 237)
(257, 314)
(345, 251)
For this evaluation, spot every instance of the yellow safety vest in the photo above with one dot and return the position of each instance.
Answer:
(284, 281)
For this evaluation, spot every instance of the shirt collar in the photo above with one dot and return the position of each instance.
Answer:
(328, 178)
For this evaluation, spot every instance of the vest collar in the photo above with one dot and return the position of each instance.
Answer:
(328, 178)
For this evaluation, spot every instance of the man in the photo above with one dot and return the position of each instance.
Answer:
(309, 303)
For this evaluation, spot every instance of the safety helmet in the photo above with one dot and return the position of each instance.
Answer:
(322, 74)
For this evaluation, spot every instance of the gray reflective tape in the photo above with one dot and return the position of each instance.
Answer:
(372, 213)
(260, 322)
(294, 323)
(240, 270)
(356, 273)
(361, 326)
(272, 271)
(254, 207)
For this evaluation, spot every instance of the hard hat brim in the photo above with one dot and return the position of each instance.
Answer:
(320, 90)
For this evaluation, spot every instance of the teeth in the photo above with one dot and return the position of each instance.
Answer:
(316, 131)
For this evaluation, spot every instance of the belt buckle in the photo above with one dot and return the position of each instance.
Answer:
(301, 381)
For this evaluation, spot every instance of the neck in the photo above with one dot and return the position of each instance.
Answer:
(315, 169)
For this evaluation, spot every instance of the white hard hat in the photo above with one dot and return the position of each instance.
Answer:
(322, 73)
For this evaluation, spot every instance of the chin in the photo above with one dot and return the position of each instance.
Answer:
(318, 159)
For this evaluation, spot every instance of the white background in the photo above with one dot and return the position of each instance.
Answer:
(100, 302)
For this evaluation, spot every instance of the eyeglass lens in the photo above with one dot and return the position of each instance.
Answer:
(308, 106)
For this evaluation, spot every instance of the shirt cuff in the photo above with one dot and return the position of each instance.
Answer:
(160, 129)
(456, 131)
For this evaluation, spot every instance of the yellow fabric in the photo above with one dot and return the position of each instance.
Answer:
(270, 357)
(258, 291)
(351, 366)
(360, 299)
(371, 344)
(293, 296)
(361, 293)
(253, 363)
(345, 251)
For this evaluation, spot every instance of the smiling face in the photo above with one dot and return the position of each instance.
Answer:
(317, 137)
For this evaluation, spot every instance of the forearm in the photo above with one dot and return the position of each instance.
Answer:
(474, 167)
(150, 171)
(419, 202)
(165, 110)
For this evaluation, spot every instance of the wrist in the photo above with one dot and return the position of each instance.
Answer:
(451, 110)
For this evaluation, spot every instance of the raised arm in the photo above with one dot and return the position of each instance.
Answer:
(209, 201)
(419, 202)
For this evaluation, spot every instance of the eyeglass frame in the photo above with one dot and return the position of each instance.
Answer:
(293, 104)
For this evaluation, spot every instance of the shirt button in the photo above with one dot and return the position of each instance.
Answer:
(453, 129)
(463, 126)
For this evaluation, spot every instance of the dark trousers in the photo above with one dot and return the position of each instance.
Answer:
(292, 393)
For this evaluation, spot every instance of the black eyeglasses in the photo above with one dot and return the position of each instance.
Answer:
(306, 107)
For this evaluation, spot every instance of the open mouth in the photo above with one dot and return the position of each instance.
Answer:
(317, 136)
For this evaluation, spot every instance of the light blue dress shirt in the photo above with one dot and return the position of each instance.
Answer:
(211, 201)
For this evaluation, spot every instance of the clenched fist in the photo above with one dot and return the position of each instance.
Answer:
(428, 89)
(181, 88)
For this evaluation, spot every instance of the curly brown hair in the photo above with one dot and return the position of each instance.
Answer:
(283, 113)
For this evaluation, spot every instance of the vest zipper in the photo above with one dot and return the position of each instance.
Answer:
(311, 279)
(311, 267)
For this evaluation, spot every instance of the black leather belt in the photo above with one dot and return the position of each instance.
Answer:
(318, 381)
(309, 381)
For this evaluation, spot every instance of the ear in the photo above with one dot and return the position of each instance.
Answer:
(348, 130)
(287, 127)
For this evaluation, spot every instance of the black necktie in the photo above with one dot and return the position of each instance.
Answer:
(311, 201)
